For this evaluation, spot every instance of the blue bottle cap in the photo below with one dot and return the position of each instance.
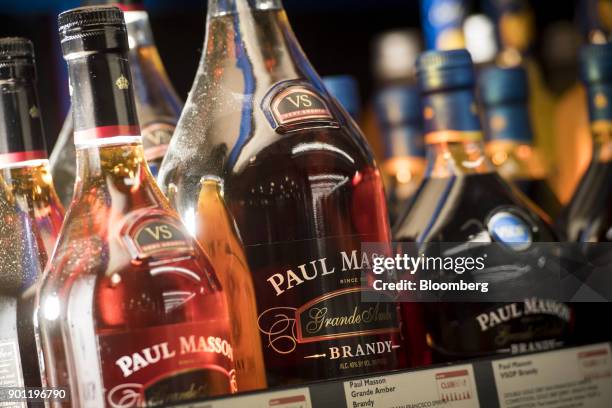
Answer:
(498, 86)
(445, 70)
(596, 63)
(346, 90)
(398, 109)
(399, 104)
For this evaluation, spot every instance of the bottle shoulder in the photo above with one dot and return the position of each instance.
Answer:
(458, 209)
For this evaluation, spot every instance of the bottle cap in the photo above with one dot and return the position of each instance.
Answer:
(92, 28)
(398, 105)
(124, 5)
(346, 90)
(445, 70)
(503, 85)
(16, 58)
(596, 63)
(398, 109)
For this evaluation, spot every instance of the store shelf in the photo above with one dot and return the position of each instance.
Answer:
(579, 377)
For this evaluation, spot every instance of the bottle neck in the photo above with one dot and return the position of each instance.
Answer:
(218, 8)
(110, 156)
(255, 38)
(21, 136)
(103, 107)
(600, 117)
(508, 123)
(138, 28)
(453, 134)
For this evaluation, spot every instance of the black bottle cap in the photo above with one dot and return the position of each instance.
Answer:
(596, 63)
(445, 70)
(16, 58)
(92, 28)
(498, 85)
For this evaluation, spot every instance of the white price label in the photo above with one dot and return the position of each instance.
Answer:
(574, 378)
(450, 387)
(295, 398)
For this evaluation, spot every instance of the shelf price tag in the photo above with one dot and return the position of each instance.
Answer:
(449, 386)
(293, 398)
(577, 377)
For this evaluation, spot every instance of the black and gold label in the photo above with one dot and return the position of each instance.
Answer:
(153, 235)
(290, 105)
(337, 314)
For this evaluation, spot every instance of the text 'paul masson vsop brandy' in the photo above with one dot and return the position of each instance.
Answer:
(130, 311)
(302, 186)
(26, 209)
(463, 200)
(157, 103)
(23, 155)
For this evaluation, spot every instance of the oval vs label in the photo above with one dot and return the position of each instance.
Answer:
(289, 105)
(510, 229)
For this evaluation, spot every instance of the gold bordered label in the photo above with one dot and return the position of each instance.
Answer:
(449, 136)
(155, 235)
(290, 106)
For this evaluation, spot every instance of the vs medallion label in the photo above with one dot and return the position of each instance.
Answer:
(147, 235)
(292, 104)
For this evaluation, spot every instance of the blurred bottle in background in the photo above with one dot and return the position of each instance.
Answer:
(393, 57)
(588, 217)
(346, 91)
(23, 153)
(504, 95)
(398, 110)
(516, 32)
(571, 119)
(463, 200)
(480, 40)
(442, 22)
(157, 103)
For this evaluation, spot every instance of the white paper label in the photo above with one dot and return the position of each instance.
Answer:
(575, 378)
(294, 398)
(452, 387)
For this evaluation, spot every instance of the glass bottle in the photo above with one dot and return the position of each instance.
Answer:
(588, 216)
(157, 103)
(22, 261)
(398, 110)
(23, 156)
(130, 311)
(300, 182)
(503, 95)
(463, 200)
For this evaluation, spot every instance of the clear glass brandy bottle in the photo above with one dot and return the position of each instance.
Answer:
(130, 311)
(301, 184)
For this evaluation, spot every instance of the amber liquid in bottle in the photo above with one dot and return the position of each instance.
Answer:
(30, 213)
(220, 238)
(300, 183)
(130, 310)
(21, 266)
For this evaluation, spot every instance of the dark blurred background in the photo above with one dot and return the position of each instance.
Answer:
(335, 34)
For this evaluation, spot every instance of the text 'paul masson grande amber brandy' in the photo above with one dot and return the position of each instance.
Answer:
(463, 200)
(24, 212)
(23, 155)
(157, 103)
(130, 310)
(302, 186)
